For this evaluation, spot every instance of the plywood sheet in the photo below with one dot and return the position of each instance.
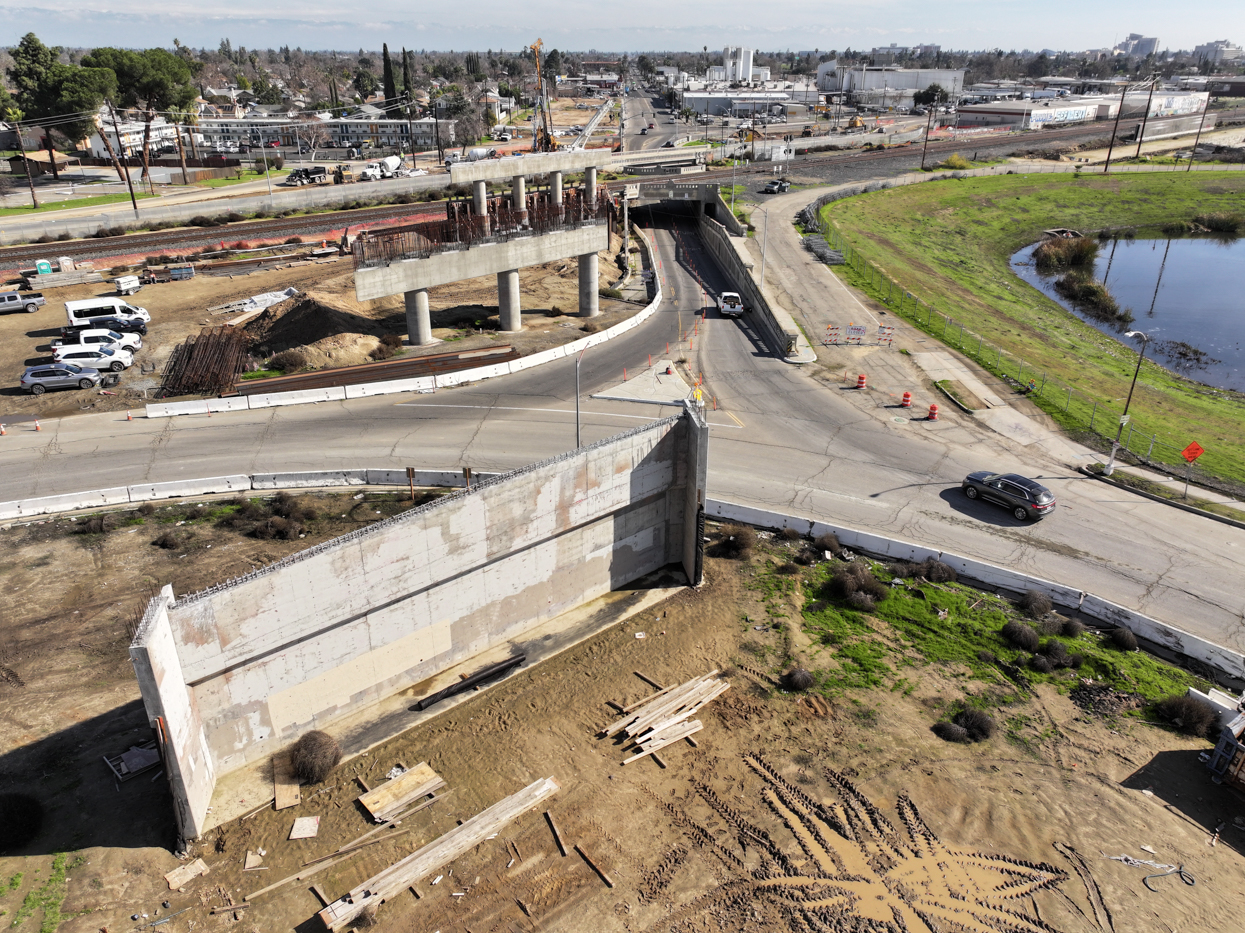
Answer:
(305, 827)
(183, 874)
(285, 786)
(390, 797)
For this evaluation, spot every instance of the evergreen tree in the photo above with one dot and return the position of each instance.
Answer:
(390, 86)
(406, 73)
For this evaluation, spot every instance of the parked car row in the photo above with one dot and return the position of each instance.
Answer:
(100, 335)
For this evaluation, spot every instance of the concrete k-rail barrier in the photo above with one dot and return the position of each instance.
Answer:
(1166, 637)
(416, 384)
(234, 673)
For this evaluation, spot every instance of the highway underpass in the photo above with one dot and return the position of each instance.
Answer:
(783, 437)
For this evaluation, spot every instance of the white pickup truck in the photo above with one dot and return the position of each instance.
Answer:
(730, 304)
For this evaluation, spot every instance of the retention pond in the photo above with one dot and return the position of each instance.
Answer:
(1188, 294)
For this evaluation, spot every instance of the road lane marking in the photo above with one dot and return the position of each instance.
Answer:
(562, 411)
(733, 418)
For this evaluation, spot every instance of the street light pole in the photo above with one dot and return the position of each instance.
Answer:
(579, 442)
(1115, 445)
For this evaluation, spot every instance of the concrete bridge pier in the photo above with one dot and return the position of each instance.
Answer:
(479, 202)
(519, 199)
(418, 321)
(590, 190)
(555, 191)
(508, 311)
(589, 292)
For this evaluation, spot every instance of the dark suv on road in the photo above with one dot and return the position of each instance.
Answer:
(1025, 498)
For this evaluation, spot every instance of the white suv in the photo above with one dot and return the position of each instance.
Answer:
(99, 357)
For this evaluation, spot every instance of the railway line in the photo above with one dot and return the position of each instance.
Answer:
(187, 239)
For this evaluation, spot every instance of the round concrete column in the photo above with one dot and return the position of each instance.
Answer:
(555, 191)
(479, 201)
(590, 190)
(589, 292)
(418, 321)
(508, 300)
(518, 202)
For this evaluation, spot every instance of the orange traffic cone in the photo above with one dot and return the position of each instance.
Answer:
(3, 432)
(37, 428)
(129, 416)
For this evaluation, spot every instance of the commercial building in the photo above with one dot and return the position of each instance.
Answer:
(1035, 114)
(737, 62)
(885, 86)
(1216, 53)
(1137, 46)
(739, 103)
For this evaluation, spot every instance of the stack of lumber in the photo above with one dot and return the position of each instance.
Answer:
(59, 279)
(387, 802)
(666, 716)
(399, 876)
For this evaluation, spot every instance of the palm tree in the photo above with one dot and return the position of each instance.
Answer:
(182, 116)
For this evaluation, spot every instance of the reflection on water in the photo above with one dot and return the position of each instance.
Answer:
(1189, 294)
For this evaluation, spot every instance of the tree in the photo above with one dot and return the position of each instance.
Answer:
(311, 132)
(390, 84)
(407, 87)
(34, 75)
(364, 83)
(154, 79)
(934, 94)
(266, 92)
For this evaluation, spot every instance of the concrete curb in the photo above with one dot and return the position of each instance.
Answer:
(955, 401)
(1223, 519)
(423, 384)
(1164, 636)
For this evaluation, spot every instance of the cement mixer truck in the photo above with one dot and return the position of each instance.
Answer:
(384, 168)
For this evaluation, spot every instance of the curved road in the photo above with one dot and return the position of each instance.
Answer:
(782, 439)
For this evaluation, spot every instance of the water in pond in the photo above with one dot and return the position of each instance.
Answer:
(1199, 301)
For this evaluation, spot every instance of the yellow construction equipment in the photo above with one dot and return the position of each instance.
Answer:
(542, 126)
(856, 123)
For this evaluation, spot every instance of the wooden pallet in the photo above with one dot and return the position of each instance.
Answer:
(392, 797)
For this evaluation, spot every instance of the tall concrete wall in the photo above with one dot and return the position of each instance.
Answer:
(243, 669)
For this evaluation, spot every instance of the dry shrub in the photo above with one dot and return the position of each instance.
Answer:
(829, 542)
(1049, 625)
(935, 571)
(1189, 714)
(392, 340)
(950, 732)
(381, 352)
(368, 918)
(819, 605)
(737, 542)
(861, 601)
(1123, 639)
(1075, 661)
(314, 756)
(277, 527)
(787, 569)
(1221, 222)
(146, 509)
(901, 569)
(806, 558)
(798, 679)
(170, 540)
(288, 361)
(1020, 635)
(1034, 604)
(1055, 253)
(94, 525)
(196, 512)
(1071, 628)
(789, 534)
(1056, 651)
(986, 656)
(978, 724)
(1041, 664)
(856, 577)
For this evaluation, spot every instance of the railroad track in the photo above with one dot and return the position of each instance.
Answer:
(172, 241)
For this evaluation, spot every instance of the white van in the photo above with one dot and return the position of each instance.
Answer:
(90, 309)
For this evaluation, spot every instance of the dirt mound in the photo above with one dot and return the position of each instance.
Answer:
(305, 321)
(1102, 699)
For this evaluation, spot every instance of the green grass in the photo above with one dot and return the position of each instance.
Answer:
(69, 203)
(1133, 481)
(262, 374)
(247, 175)
(48, 897)
(949, 242)
(8, 887)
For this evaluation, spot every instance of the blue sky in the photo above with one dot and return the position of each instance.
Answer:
(637, 25)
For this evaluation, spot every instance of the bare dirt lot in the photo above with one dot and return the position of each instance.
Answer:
(334, 329)
(833, 810)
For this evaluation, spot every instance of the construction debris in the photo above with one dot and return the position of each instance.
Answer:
(285, 786)
(179, 876)
(386, 802)
(481, 676)
(205, 365)
(665, 718)
(305, 827)
(401, 875)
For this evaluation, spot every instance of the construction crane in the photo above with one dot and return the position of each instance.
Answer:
(542, 121)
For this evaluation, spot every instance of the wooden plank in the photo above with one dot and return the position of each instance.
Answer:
(319, 893)
(649, 680)
(670, 701)
(285, 787)
(673, 734)
(684, 700)
(648, 699)
(557, 836)
(660, 745)
(305, 873)
(354, 848)
(406, 872)
(694, 702)
(609, 882)
(183, 874)
(393, 795)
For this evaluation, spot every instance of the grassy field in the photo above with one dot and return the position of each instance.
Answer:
(949, 242)
(249, 174)
(70, 203)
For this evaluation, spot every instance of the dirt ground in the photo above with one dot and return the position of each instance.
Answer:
(464, 316)
(793, 812)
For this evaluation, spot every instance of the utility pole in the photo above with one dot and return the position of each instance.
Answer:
(1141, 130)
(929, 122)
(1198, 137)
(124, 156)
(1119, 113)
(1115, 446)
(30, 178)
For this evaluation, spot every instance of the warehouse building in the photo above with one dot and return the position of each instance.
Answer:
(884, 86)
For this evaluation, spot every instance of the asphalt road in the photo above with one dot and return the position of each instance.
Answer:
(782, 438)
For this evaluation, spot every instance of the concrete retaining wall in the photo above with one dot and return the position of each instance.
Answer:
(245, 668)
(1161, 634)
